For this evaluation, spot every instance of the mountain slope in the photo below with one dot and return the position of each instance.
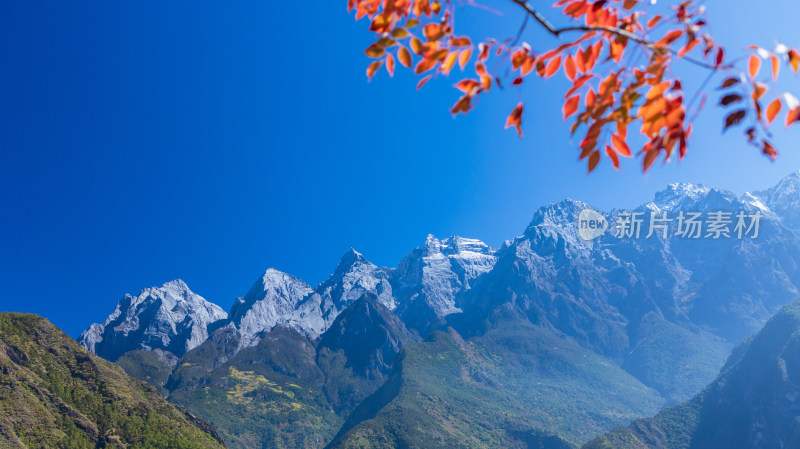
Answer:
(753, 404)
(170, 317)
(55, 394)
(358, 351)
(268, 395)
(514, 386)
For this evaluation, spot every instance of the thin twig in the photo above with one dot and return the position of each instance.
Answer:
(557, 32)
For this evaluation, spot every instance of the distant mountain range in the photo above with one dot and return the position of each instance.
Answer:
(545, 342)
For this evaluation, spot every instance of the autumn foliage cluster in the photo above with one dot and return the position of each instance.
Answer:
(617, 56)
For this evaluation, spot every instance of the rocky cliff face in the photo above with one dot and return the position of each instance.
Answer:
(170, 317)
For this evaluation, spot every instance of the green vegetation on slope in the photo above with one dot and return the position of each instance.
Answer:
(751, 405)
(268, 396)
(517, 385)
(56, 395)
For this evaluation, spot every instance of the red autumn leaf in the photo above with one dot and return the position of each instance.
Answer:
(449, 62)
(730, 99)
(552, 67)
(404, 56)
(390, 64)
(773, 110)
(793, 116)
(669, 38)
(754, 66)
(578, 84)
(515, 119)
(621, 145)
(463, 58)
(730, 82)
(649, 158)
(735, 118)
(467, 86)
(654, 21)
(571, 106)
(569, 68)
(794, 60)
(776, 67)
(688, 47)
(517, 81)
(720, 56)
(594, 159)
(373, 68)
(423, 81)
(769, 150)
(613, 156)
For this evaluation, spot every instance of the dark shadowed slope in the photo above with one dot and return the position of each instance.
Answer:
(753, 404)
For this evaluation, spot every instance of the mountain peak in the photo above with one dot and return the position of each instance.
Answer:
(559, 214)
(270, 302)
(170, 317)
(687, 196)
(350, 258)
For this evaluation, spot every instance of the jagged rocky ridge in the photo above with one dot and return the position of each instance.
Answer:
(663, 314)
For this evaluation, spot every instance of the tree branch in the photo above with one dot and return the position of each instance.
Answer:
(557, 32)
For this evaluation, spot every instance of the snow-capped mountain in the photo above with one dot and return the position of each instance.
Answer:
(429, 279)
(627, 297)
(271, 301)
(354, 276)
(170, 317)
(784, 200)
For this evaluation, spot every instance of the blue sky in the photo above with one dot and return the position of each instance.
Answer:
(146, 141)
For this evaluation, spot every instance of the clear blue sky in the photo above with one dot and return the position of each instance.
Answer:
(146, 141)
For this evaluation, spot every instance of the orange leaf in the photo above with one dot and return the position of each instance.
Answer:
(594, 159)
(569, 68)
(773, 110)
(515, 119)
(467, 85)
(390, 64)
(571, 106)
(654, 21)
(754, 66)
(404, 56)
(373, 68)
(669, 38)
(776, 67)
(552, 67)
(793, 116)
(416, 46)
(463, 58)
(613, 156)
(688, 48)
(423, 81)
(621, 146)
(449, 62)
(794, 60)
